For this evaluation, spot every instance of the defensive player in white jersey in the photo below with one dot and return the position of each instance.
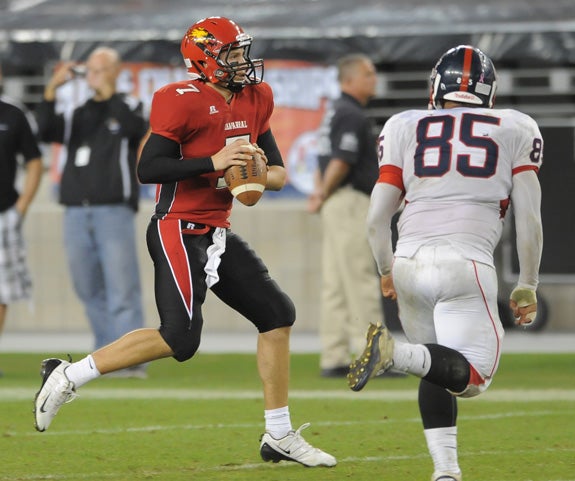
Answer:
(456, 167)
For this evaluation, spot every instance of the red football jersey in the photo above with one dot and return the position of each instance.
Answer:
(202, 122)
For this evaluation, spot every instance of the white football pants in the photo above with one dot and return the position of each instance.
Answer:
(446, 299)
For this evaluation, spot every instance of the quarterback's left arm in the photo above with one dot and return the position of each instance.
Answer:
(277, 175)
(161, 162)
(526, 203)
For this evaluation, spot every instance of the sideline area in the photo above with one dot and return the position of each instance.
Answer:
(301, 342)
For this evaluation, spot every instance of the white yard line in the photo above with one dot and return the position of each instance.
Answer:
(260, 466)
(202, 427)
(223, 426)
(494, 395)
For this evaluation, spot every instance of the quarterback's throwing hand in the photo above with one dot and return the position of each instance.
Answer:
(236, 153)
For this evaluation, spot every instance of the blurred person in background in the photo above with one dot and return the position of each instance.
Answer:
(100, 193)
(347, 172)
(458, 166)
(17, 140)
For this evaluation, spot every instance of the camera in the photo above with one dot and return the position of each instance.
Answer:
(78, 70)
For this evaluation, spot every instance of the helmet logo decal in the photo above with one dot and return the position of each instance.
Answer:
(482, 88)
(202, 36)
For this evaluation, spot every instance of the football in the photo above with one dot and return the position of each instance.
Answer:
(247, 182)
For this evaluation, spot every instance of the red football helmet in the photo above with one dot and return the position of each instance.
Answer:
(206, 48)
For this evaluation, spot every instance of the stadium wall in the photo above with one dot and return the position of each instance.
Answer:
(280, 230)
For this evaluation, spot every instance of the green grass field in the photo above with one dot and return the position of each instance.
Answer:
(201, 420)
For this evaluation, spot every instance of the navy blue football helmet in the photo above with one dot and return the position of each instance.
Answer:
(463, 74)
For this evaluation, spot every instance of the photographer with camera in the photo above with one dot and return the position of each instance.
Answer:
(100, 191)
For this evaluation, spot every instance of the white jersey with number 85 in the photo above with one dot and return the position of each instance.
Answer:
(455, 167)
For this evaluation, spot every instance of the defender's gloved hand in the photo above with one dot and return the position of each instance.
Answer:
(523, 303)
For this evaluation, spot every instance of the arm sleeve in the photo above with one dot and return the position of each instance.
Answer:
(526, 204)
(384, 203)
(268, 144)
(161, 162)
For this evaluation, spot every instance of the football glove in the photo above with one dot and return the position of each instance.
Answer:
(522, 297)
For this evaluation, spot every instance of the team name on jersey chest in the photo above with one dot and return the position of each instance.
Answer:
(238, 124)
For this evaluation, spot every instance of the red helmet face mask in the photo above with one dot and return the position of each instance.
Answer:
(217, 49)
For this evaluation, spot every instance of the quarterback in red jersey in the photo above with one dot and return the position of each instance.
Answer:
(200, 127)
(201, 120)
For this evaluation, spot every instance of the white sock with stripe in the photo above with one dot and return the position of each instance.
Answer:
(82, 371)
(412, 358)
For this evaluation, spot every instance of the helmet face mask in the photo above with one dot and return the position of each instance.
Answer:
(237, 69)
(217, 50)
(465, 75)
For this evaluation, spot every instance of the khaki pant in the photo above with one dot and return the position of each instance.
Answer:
(351, 296)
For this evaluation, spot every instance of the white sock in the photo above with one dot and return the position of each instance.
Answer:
(278, 422)
(412, 358)
(82, 371)
(442, 445)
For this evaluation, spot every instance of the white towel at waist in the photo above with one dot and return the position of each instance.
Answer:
(215, 251)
